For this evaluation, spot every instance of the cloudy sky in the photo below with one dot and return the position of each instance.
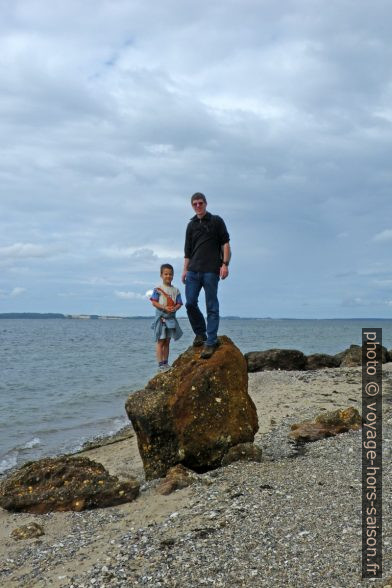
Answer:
(113, 112)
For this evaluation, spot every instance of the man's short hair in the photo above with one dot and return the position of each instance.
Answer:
(198, 196)
(166, 266)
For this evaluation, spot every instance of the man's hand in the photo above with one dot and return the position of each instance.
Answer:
(183, 276)
(223, 272)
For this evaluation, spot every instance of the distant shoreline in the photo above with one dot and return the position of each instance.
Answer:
(56, 315)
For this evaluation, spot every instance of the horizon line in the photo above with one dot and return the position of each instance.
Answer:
(229, 316)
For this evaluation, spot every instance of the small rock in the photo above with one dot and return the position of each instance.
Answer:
(176, 478)
(29, 531)
(242, 452)
(327, 424)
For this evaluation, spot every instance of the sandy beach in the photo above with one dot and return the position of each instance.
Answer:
(76, 546)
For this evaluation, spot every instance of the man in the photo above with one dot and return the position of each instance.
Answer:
(207, 257)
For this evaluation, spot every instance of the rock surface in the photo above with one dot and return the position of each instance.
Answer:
(193, 413)
(317, 361)
(292, 359)
(275, 359)
(352, 356)
(64, 483)
(243, 452)
(30, 531)
(176, 478)
(327, 424)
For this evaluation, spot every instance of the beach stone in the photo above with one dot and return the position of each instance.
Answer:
(352, 356)
(242, 452)
(176, 478)
(327, 424)
(385, 354)
(275, 359)
(29, 531)
(64, 483)
(193, 413)
(317, 361)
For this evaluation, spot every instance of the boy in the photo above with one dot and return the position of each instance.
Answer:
(167, 300)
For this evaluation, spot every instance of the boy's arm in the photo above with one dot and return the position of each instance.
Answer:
(164, 308)
(158, 306)
(155, 301)
(178, 303)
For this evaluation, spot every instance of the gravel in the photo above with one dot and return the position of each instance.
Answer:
(292, 520)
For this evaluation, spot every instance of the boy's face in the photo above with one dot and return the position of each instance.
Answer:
(167, 276)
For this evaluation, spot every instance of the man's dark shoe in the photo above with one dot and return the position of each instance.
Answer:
(199, 340)
(209, 350)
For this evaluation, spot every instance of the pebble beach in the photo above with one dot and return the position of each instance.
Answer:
(292, 520)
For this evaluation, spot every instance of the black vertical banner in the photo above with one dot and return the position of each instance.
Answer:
(371, 453)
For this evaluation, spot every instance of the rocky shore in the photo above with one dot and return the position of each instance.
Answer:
(292, 520)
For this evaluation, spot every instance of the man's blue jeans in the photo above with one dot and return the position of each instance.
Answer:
(194, 282)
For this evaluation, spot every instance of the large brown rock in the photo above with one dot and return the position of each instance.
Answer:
(64, 483)
(275, 359)
(327, 424)
(193, 413)
(317, 361)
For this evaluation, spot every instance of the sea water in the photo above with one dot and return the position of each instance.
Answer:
(64, 381)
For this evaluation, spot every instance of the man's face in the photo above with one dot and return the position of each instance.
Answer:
(199, 206)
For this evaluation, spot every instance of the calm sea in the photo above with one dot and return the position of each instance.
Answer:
(63, 382)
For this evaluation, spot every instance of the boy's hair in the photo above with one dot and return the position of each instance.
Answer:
(198, 196)
(166, 266)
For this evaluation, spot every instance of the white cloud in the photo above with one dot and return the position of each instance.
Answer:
(129, 295)
(385, 235)
(147, 253)
(129, 252)
(17, 292)
(354, 301)
(23, 251)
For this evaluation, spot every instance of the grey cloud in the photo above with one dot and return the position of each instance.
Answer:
(113, 116)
